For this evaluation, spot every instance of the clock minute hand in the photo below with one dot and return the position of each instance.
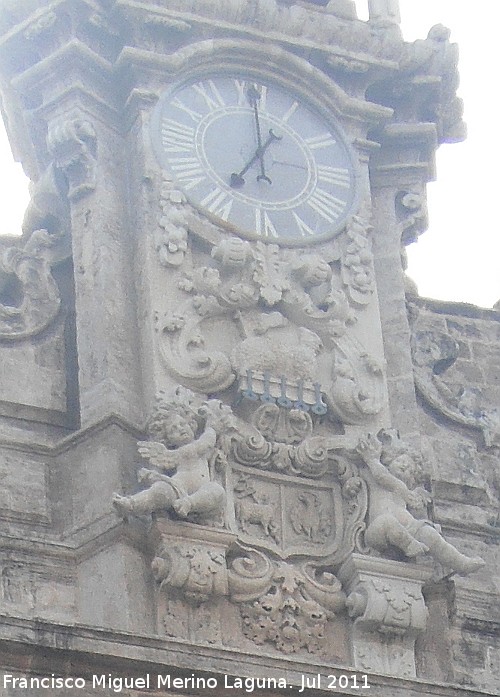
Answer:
(237, 180)
(254, 96)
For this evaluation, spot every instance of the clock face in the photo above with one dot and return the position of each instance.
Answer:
(256, 158)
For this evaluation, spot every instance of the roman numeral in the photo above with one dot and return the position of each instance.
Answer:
(263, 224)
(210, 94)
(190, 112)
(218, 202)
(188, 171)
(291, 111)
(263, 97)
(323, 141)
(334, 175)
(176, 137)
(304, 229)
(241, 88)
(327, 206)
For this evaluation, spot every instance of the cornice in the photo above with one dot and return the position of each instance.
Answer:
(73, 55)
(54, 447)
(220, 53)
(282, 33)
(84, 648)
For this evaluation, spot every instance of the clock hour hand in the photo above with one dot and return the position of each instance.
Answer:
(237, 180)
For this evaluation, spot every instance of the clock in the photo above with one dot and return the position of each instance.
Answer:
(256, 158)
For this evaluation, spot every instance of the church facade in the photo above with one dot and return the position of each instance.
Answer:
(238, 451)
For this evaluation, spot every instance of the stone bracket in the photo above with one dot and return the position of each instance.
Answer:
(384, 598)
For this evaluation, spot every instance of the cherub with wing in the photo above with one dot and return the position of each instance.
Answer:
(176, 450)
(390, 476)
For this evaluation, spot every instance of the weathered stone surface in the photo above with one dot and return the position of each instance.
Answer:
(316, 446)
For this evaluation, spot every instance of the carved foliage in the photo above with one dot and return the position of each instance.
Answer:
(287, 615)
(386, 602)
(292, 309)
(199, 571)
(285, 605)
(171, 241)
(388, 606)
(357, 262)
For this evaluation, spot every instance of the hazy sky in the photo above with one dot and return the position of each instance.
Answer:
(458, 257)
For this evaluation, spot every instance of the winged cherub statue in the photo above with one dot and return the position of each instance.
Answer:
(175, 449)
(391, 482)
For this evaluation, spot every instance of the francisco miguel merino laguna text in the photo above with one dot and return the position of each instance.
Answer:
(118, 683)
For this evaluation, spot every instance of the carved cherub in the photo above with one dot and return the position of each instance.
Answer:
(391, 489)
(174, 447)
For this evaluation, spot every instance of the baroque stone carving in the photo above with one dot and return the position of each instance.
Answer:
(191, 491)
(252, 508)
(386, 602)
(171, 242)
(30, 268)
(292, 310)
(391, 481)
(437, 58)
(310, 518)
(29, 296)
(306, 476)
(72, 144)
(241, 514)
(433, 353)
(199, 571)
(411, 207)
(357, 262)
(288, 615)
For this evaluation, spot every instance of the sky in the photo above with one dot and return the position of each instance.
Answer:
(458, 257)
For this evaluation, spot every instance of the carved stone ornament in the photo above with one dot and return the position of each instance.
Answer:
(434, 352)
(263, 511)
(293, 310)
(191, 561)
(72, 143)
(397, 507)
(29, 296)
(436, 59)
(236, 512)
(411, 208)
(171, 242)
(357, 262)
(287, 605)
(191, 492)
(386, 602)
(293, 612)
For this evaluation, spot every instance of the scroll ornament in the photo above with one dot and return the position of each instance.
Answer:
(434, 352)
(30, 268)
(291, 308)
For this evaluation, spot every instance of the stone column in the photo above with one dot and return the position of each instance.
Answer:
(401, 167)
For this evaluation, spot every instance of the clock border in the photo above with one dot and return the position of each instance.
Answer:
(327, 104)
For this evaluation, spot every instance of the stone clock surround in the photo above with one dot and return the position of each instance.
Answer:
(150, 263)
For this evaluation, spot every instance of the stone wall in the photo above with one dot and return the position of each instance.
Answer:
(229, 451)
